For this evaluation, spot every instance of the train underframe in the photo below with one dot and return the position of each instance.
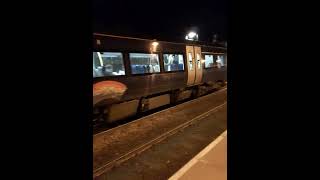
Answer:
(121, 110)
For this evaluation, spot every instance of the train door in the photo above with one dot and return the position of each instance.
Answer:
(197, 51)
(191, 69)
(194, 65)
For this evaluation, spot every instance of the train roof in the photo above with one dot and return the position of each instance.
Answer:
(201, 43)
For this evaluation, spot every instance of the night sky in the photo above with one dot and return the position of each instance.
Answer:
(162, 20)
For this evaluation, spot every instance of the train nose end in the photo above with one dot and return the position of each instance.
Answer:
(111, 90)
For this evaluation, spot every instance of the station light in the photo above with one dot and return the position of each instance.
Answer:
(154, 44)
(192, 36)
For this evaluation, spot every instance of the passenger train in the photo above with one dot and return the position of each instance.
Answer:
(133, 75)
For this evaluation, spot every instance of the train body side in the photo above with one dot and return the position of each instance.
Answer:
(161, 87)
(214, 74)
(143, 84)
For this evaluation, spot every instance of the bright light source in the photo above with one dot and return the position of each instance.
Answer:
(155, 44)
(192, 36)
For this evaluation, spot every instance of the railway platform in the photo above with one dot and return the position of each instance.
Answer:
(158, 145)
(210, 163)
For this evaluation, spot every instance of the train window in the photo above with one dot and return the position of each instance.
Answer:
(198, 61)
(216, 61)
(108, 64)
(173, 62)
(142, 63)
(220, 61)
(190, 61)
(208, 61)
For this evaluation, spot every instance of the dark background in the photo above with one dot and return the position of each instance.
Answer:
(163, 20)
(47, 81)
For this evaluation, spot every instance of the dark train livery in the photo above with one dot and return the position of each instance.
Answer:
(132, 75)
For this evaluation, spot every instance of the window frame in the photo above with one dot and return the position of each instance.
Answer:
(204, 64)
(143, 52)
(123, 63)
(213, 54)
(224, 58)
(184, 62)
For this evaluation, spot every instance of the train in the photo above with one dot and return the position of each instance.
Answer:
(134, 75)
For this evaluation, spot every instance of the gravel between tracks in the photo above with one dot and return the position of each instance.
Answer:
(165, 158)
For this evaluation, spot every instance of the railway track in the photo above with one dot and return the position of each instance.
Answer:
(135, 151)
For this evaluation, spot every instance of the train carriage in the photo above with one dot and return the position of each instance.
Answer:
(132, 75)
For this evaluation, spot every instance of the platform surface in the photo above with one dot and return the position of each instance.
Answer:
(209, 164)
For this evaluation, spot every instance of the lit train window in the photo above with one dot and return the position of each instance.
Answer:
(173, 62)
(208, 61)
(198, 61)
(142, 63)
(190, 61)
(216, 61)
(108, 64)
(220, 61)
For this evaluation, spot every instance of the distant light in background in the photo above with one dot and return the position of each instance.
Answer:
(192, 36)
